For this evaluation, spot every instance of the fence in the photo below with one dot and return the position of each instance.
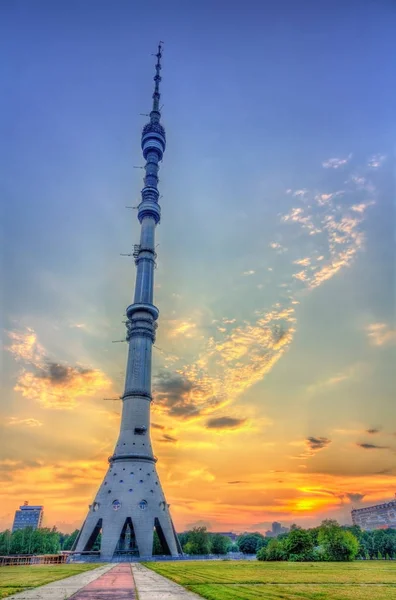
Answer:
(91, 557)
(29, 559)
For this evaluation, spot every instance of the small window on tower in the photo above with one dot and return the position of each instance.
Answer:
(140, 430)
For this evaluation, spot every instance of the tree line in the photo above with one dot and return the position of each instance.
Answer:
(330, 541)
(30, 541)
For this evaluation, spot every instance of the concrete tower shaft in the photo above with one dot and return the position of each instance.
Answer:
(130, 503)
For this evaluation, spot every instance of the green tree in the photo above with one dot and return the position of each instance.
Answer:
(249, 543)
(17, 542)
(219, 544)
(5, 542)
(68, 540)
(390, 543)
(314, 532)
(298, 545)
(274, 551)
(157, 546)
(337, 544)
(198, 541)
(183, 538)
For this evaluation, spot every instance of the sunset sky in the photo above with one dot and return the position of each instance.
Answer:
(274, 365)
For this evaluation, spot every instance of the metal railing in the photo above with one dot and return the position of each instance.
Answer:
(32, 559)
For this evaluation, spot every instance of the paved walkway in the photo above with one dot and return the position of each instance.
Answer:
(110, 582)
(151, 586)
(116, 584)
(62, 589)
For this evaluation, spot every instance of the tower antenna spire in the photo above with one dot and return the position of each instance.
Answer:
(155, 113)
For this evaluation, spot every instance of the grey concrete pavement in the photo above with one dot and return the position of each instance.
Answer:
(151, 586)
(63, 588)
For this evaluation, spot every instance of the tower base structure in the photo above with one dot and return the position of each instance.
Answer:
(129, 506)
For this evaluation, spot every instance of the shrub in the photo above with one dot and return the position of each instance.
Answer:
(337, 544)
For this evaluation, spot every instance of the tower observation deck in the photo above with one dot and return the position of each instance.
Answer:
(130, 503)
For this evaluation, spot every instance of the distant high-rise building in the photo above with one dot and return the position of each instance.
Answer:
(380, 516)
(28, 516)
(276, 528)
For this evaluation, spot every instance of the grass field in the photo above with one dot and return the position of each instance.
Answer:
(19, 579)
(250, 580)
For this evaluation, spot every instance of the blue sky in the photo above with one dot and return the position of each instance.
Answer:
(280, 130)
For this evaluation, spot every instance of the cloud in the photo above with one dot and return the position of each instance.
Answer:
(324, 236)
(336, 163)
(12, 466)
(278, 247)
(298, 215)
(372, 446)
(376, 161)
(182, 328)
(355, 497)
(373, 430)
(168, 438)
(312, 446)
(335, 220)
(304, 262)
(251, 272)
(332, 381)
(236, 482)
(50, 383)
(179, 396)
(29, 422)
(360, 208)
(224, 423)
(78, 326)
(381, 334)
(157, 426)
(300, 193)
(59, 386)
(25, 347)
(227, 365)
(317, 443)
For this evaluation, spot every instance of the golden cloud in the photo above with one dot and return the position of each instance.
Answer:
(25, 347)
(51, 384)
(184, 328)
(29, 422)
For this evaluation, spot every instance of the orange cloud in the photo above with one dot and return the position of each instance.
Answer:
(51, 384)
(29, 422)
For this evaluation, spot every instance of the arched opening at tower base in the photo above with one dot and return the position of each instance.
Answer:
(127, 542)
(90, 545)
(160, 545)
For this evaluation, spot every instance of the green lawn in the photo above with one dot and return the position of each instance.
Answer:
(250, 580)
(18, 579)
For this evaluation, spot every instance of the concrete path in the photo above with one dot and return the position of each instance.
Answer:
(110, 582)
(151, 586)
(116, 584)
(64, 588)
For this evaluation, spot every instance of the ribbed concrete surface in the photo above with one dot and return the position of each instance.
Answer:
(116, 584)
(62, 589)
(151, 586)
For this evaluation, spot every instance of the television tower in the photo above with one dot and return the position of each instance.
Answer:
(130, 503)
